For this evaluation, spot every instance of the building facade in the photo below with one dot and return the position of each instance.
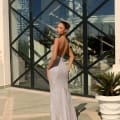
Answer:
(24, 48)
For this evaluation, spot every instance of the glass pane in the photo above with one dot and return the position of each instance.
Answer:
(38, 6)
(101, 40)
(103, 66)
(19, 67)
(42, 44)
(18, 25)
(57, 12)
(24, 81)
(77, 85)
(22, 7)
(106, 9)
(41, 81)
(76, 76)
(100, 43)
(76, 42)
(91, 83)
(22, 46)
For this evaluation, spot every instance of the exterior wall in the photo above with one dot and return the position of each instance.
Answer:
(4, 45)
(116, 67)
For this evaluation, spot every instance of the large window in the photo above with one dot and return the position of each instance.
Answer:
(32, 31)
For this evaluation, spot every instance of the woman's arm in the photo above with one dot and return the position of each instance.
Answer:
(71, 58)
(54, 54)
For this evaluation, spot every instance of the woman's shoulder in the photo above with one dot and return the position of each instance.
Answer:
(56, 41)
(56, 38)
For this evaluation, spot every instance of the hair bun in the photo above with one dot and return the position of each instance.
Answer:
(66, 24)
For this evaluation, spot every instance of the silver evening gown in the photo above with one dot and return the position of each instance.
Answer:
(61, 106)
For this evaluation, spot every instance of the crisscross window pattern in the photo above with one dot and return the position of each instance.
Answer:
(32, 31)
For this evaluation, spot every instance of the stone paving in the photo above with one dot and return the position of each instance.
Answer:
(23, 104)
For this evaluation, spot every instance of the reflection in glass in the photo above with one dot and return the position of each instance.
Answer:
(40, 29)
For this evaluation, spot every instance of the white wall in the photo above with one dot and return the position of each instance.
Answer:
(4, 45)
(116, 67)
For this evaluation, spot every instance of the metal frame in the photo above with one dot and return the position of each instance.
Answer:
(30, 26)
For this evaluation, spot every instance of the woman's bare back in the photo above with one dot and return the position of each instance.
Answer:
(63, 47)
(60, 48)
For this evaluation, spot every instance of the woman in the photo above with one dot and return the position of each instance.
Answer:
(57, 72)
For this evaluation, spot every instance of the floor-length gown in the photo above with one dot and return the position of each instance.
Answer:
(61, 106)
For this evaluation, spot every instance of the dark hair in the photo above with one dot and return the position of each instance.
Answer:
(66, 24)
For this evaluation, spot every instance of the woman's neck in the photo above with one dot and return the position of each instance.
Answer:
(63, 35)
